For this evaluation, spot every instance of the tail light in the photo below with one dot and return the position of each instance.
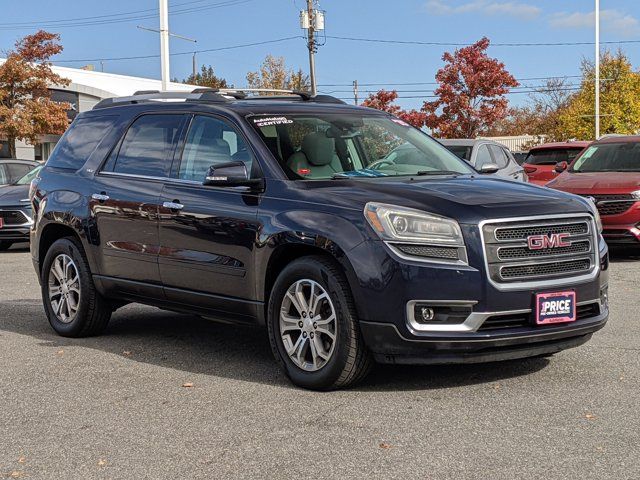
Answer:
(529, 169)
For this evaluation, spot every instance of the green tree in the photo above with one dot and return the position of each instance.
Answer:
(619, 99)
(207, 78)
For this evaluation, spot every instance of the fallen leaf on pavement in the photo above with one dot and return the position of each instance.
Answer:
(16, 474)
(60, 352)
(102, 463)
(590, 416)
(126, 353)
(385, 446)
(22, 460)
(187, 385)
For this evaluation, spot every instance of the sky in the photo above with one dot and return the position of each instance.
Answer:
(93, 30)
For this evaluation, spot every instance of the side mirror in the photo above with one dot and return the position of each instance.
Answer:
(561, 166)
(489, 168)
(231, 174)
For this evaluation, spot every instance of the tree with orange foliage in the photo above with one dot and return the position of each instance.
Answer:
(26, 108)
(384, 100)
(471, 93)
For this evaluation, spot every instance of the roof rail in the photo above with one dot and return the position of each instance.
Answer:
(216, 95)
(241, 94)
(207, 95)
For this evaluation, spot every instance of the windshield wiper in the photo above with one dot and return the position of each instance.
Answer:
(438, 172)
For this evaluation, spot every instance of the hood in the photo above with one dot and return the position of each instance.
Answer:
(597, 182)
(10, 195)
(466, 199)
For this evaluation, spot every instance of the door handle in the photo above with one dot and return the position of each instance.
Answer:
(173, 205)
(101, 197)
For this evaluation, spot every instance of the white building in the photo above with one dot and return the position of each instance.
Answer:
(87, 88)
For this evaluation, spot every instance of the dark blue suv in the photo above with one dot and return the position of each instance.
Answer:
(291, 211)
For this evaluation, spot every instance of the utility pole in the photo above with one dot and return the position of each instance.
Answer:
(312, 20)
(355, 91)
(193, 66)
(311, 45)
(164, 44)
(597, 67)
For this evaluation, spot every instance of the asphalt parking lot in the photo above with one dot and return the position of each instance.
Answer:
(162, 395)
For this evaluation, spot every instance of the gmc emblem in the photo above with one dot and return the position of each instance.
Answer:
(553, 240)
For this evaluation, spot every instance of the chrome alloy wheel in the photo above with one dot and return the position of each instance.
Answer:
(64, 288)
(308, 325)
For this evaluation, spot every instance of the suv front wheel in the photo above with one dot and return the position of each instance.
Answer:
(313, 326)
(73, 306)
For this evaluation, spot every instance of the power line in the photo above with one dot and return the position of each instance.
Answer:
(140, 57)
(572, 89)
(121, 17)
(404, 84)
(453, 44)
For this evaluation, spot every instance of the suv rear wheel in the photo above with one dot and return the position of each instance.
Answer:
(73, 306)
(313, 326)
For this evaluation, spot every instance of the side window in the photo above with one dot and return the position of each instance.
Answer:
(499, 157)
(148, 146)
(211, 141)
(80, 140)
(483, 156)
(4, 175)
(17, 171)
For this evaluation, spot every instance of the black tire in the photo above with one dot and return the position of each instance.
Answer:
(5, 245)
(351, 361)
(93, 311)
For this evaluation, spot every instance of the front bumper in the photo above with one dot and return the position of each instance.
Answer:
(384, 297)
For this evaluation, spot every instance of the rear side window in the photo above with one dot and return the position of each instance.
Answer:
(4, 175)
(148, 146)
(552, 156)
(80, 140)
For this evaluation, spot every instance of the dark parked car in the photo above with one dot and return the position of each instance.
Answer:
(12, 170)
(277, 211)
(608, 171)
(15, 211)
(487, 156)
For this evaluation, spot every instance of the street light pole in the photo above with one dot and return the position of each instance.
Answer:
(164, 44)
(597, 70)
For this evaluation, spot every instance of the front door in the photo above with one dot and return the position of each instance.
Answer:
(126, 199)
(208, 234)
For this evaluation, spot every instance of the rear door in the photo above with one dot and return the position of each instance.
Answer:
(126, 198)
(208, 234)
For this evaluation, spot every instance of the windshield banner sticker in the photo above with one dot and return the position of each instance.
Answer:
(269, 121)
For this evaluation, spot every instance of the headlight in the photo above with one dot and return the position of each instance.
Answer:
(395, 223)
(636, 194)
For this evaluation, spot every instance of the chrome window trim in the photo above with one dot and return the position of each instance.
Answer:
(473, 322)
(557, 282)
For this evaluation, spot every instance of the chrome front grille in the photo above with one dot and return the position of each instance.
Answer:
(13, 217)
(511, 262)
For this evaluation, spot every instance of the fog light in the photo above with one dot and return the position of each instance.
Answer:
(425, 313)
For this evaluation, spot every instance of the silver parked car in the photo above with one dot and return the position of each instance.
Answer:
(487, 155)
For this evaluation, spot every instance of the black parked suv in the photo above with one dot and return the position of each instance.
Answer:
(285, 211)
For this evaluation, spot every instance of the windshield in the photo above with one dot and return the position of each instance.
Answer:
(318, 146)
(609, 157)
(461, 151)
(29, 176)
(552, 156)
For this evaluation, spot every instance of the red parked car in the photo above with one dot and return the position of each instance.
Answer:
(609, 171)
(541, 160)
